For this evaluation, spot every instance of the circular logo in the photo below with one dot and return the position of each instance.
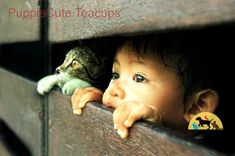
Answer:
(205, 121)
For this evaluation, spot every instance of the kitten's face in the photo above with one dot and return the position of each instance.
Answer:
(81, 63)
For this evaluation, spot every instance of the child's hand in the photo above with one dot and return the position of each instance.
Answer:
(81, 96)
(127, 113)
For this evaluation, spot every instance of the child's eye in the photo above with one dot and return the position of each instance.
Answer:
(138, 78)
(115, 76)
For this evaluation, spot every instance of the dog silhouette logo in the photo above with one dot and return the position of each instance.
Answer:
(205, 121)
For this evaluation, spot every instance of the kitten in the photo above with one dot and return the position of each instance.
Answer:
(81, 68)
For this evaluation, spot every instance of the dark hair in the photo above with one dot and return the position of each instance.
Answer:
(206, 61)
(187, 53)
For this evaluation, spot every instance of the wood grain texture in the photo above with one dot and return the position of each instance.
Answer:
(13, 27)
(20, 109)
(135, 17)
(92, 133)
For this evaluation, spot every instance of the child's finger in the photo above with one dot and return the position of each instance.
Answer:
(119, 116)
(92, 89)
(75, 98)
(135, 115)
(77, 111)
(81, 96)
(80, 92)
(141, 112)
(89, 96)
(76, 101)
(123, 132)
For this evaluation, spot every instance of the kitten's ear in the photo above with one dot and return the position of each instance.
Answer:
(202, 101)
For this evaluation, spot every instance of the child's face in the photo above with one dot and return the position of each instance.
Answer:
(147, 81)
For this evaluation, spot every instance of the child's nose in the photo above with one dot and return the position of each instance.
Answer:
(117, 91)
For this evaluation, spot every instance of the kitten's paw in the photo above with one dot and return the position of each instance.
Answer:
(72, 84)
(67, 90)
(43, 88)
(45, 85)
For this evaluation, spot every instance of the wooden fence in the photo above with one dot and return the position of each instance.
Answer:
(46, 125)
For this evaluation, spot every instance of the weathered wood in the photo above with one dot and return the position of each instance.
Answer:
(13, 26)
(21, 108)
(3, 149)
(133, 16)
(89, 134)
(93, 134)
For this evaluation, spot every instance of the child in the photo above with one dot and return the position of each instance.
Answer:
(156, 78)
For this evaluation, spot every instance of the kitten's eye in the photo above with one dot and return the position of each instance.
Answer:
(74, 64)
(115, 76)
(138, 78)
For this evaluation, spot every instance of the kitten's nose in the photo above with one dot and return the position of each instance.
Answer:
(57, 71)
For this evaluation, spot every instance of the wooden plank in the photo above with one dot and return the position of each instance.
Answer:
(16, 24)
(133, 16)
(3, 149)
(20, 109)
(93, 134)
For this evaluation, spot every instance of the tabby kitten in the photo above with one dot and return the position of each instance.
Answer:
(81, 68)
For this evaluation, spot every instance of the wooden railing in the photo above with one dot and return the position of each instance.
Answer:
(46, 125)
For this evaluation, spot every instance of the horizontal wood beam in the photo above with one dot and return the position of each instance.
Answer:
(19, 21)
(92, 133)
(4, 151)
(82, 19)
(21, 108)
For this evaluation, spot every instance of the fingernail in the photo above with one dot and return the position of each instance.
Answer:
(115, 126)
(78, 112)
(127, 123)
(122, 134)
(119, 132)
